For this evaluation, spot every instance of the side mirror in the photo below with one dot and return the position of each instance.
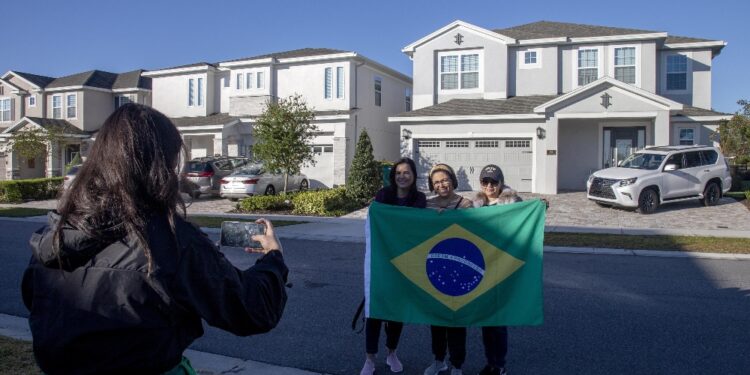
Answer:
(670, 167)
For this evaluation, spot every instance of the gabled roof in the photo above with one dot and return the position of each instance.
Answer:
(690, 111)
(92, 78)
(549, 29)
(38, 80)
(302, 52)
(516, 105)
(133, 79)
(57, 125)
(214, 119)
(674, 39)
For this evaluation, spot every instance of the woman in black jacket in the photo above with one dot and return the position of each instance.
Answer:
(119, 281)
(402, 191)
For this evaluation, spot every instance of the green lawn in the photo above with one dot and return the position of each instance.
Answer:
(22, 211)
(16, 357)
(672, 243)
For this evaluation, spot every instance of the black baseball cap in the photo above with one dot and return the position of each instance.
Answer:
(492, 172)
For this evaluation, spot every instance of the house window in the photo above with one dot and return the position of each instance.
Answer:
(339, 82)
(457, 144)
(588, 66)
(676, 72)
(486, 144)
(328, 82)
(407, 99)
(191, 90)
(225, 82)
(32, 101)
(464, 75)
(5, 109)
(56, 106)
(625, 64)
(31, 163)
(239, 81)
(426, 144)
(261, 80)
(200, 92)
(529, 57)
(517, 144)
(121, 100)
(71, 105)
(249, 81)
(687, 137)
(378, 91)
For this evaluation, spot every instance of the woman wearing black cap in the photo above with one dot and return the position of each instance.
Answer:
(495, 339)
(443, 182)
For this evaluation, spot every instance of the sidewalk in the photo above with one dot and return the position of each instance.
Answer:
(204, 363)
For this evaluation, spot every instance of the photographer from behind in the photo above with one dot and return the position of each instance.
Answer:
(119, 281)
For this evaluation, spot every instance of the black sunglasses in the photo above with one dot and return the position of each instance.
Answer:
(488, 181)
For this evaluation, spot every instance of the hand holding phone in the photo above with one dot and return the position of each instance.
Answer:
(239, 234)
(268, 240)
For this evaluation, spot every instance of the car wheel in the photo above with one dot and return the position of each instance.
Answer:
(195, 194)
(711, 194)
(270, 190)
(648, 201)
(303, 185)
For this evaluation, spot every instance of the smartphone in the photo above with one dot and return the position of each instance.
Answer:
(239, 234)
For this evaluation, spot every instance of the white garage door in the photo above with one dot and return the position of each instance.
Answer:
(468, 156)
(321, 175)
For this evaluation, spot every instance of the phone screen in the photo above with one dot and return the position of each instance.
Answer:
(238, 234)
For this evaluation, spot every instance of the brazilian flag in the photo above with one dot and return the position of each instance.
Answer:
(457, 268)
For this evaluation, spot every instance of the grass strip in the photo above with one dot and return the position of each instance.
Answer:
(22, 211)
(17, 357)
(635, 242)
(215, 221)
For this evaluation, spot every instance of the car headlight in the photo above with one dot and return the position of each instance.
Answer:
(591, 178)
(628, 181)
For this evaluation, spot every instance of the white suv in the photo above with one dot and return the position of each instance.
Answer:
(664, 174)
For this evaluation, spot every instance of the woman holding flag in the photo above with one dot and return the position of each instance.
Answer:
(402, 191)
(443, 182)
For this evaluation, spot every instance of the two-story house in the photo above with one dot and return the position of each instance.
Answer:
(73, 107)
(551, 102)
(214, 105)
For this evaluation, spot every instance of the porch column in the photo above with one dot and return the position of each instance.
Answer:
(339, 160)
(549, 157)
(11, 165)
(53, 160)
(218, 144)
(662, 129)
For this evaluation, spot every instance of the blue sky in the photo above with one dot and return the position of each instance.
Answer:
(58, 38)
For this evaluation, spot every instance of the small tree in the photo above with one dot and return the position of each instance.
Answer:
(31, 142)
(734, 135)
(364, 178)
(283, 135)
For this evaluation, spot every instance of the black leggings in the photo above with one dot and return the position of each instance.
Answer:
(495, 341)
(372, 334)
(451, 338)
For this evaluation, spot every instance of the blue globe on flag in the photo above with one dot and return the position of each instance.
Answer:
(455, 266)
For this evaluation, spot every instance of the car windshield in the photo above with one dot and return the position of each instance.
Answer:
(642, 161)
(196, 167)
(253, 169)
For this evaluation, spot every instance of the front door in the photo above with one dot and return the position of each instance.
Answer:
(620, 142)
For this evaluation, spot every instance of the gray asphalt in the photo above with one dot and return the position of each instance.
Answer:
(603, 314)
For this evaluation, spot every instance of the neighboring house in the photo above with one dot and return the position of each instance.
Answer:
(74, 106)
(214, 105)
(552, 102)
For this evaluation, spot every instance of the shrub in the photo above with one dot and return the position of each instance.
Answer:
(747, 195)
(16, 191)
(331, 202)
(364, 178)
(266, 203)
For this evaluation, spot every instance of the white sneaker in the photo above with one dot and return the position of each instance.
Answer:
(394, 363)
(435, 368)
(457, 371)
(368, 368)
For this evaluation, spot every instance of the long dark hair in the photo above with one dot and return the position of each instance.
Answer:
(129, 176)
(412, 166)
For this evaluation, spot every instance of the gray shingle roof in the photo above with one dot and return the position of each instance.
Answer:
(62, 126)
(214, 119)
(303, 52)
(41, 81)
(673, 39)
(548, 29)
(93, 78)
(132, 79)
(470, 107)
(688, 110)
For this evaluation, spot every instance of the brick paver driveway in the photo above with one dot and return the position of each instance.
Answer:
(569, 209)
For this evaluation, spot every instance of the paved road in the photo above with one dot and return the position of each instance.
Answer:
(604, 314)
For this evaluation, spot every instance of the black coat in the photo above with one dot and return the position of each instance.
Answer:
(388, 195)
(95, 310)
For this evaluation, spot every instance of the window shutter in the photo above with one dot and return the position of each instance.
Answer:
(12, 109)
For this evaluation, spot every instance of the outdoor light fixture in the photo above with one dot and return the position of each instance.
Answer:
(405, 134)
(540, 132)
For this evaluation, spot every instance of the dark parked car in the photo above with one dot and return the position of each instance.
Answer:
(203, 175)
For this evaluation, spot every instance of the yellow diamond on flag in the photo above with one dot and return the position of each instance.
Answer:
(456, 266)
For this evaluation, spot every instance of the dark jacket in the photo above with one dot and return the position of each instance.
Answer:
(388, 195)
(95, 309)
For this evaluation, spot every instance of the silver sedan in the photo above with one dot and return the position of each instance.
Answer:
(254, 180)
